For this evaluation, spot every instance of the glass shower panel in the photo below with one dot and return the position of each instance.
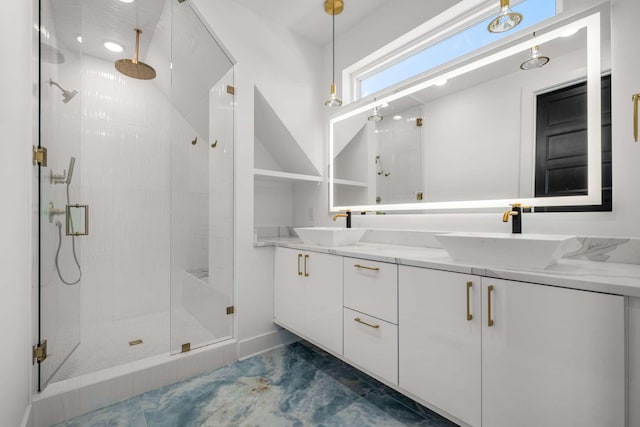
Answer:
(58, 186)
(201, 185)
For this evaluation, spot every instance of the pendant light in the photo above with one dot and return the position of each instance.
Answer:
(535, 60)
(376, 116)
(333, 8)
(506, 20)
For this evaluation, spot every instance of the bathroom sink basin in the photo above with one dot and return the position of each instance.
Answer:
(506, 250)
(330, 236)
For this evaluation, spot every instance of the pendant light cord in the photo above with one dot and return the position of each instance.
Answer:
(333, 41)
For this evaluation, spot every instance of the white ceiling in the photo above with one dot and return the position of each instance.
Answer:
(100, 20)
(308, 19)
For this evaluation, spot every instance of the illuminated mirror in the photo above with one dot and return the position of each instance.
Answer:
(465, 136)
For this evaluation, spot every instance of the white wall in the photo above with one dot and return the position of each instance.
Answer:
(16, 28)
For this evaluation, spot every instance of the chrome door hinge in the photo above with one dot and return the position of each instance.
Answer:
(40, 156)
(230, 310)
(231, 90)
(39, 352)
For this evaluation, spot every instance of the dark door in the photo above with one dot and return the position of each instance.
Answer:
(561, 146)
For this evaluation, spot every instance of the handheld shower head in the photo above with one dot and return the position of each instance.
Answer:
(72, 162)
(67, 95)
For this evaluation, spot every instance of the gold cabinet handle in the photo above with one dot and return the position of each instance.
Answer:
(469, 315)
(490, 320)
(306, 272)
(299, 270)
(366, 268)
(357, 319)
(635, 98)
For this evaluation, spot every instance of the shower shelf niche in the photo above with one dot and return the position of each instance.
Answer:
(282, 170)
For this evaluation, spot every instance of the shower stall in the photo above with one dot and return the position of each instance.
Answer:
(135, 195)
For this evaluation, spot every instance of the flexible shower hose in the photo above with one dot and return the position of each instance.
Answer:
(73, 248)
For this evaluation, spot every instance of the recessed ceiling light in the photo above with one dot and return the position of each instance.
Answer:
(113, 46)
(440, 82)
(126, 1)
(398, 117)
(79, 38)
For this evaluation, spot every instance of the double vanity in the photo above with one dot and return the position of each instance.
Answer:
(483, 345)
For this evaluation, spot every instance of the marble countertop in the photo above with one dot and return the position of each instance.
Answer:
(606, 277)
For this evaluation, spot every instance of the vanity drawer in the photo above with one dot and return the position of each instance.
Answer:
(372, 344)
(371, 287)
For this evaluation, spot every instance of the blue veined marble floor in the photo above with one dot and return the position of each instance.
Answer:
(297, 385)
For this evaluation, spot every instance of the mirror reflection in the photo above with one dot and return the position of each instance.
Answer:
(472, 137)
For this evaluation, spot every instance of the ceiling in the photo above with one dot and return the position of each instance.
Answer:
(100, 20)
(308, 19)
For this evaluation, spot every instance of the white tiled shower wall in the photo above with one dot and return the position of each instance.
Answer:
(128, 164)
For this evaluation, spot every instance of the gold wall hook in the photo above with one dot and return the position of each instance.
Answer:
(194, 141)
(635, 98)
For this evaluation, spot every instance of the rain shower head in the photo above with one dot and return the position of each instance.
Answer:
(67, 95)
(134, 68)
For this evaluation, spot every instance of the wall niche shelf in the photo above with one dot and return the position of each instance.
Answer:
(350, 182)
(274, 175)
(282, 170)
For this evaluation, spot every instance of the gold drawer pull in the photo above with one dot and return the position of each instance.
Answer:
(469, 315)
(357, 319)
(306, 271)
(490, 320)
(635, 98)
(299, 270)
(366, 268)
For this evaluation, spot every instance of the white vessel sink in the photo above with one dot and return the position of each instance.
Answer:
(506, 250)
(330, 236)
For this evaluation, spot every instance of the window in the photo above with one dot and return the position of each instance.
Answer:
(461, 43)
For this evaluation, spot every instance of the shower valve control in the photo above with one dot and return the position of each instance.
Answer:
(53, 212)
(55, 178)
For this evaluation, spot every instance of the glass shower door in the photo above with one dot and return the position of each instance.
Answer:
(59, 255)
(202, 186)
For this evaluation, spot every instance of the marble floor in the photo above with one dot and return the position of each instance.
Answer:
(297, 385)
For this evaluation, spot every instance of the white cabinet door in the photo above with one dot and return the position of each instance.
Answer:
(439, 344)
(308, 296)
(289, 289)
(323, 299)
(552, 357)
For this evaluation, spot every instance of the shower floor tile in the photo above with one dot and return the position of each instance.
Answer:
(106, 345)
(297, 385)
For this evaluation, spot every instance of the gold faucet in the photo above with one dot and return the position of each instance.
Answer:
(516, 212)
(511, 212)
(346, 214)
